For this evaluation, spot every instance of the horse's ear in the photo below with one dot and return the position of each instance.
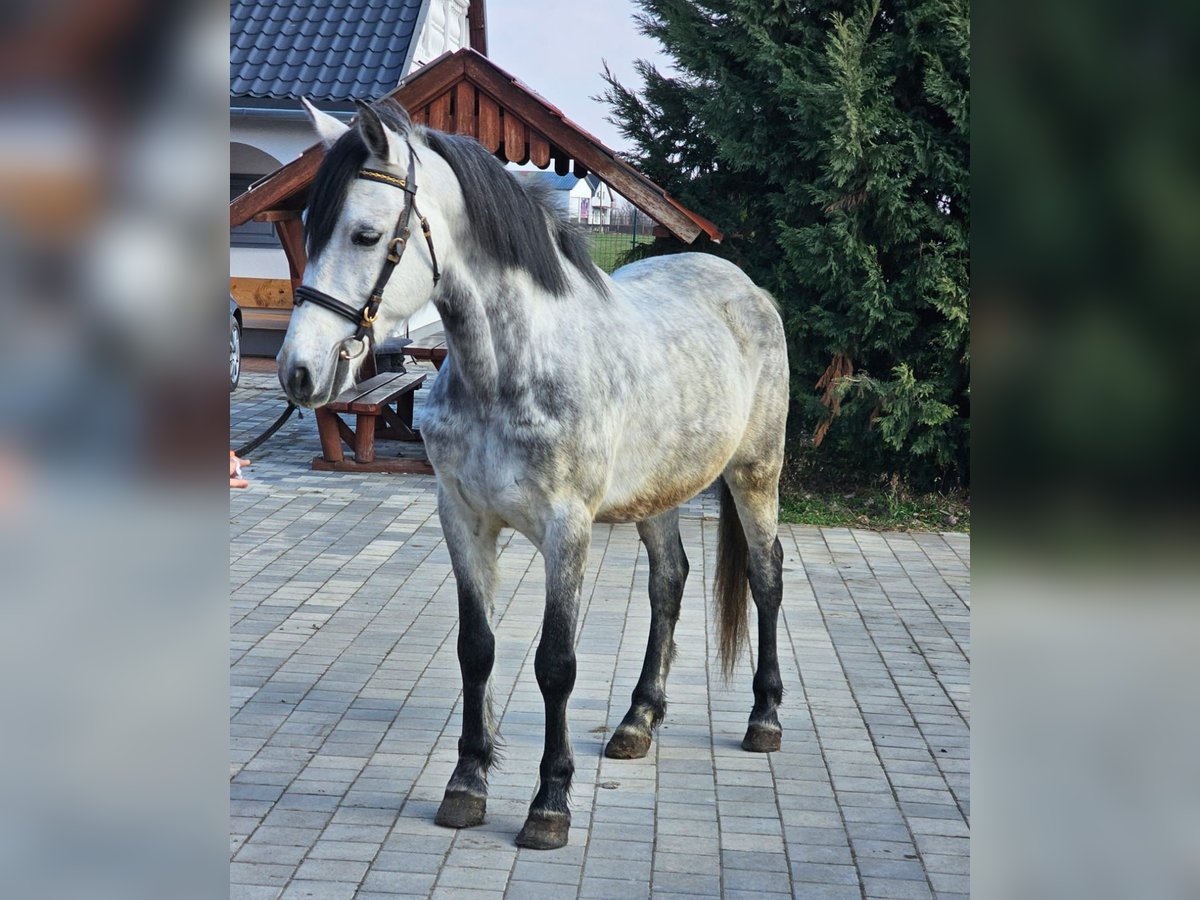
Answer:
(327, 127)
(399, 113)
(380, 140)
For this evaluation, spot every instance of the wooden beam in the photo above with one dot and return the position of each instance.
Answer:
(489, 123)
(390, 465)
(439, 113)
(291, 236)
(277, 187)
(277, 215)
(562, 160)
(261, 293)
(477, 23)
(514, 139)
(421, 86)
(464, 109)
(539, 149)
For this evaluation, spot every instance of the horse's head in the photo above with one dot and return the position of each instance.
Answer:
(370, 266)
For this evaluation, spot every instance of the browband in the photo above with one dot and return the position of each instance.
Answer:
(385, 178)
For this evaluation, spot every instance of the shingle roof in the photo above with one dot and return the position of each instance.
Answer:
(332, 50)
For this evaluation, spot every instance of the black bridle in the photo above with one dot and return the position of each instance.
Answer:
(364, 317)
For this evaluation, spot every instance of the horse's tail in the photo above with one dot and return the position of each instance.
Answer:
(730, 590)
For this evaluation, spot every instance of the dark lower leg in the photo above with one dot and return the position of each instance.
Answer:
(549, 819)
(472, 545)
(466, 794)
(668, 574)
(764, 733)
(550, 812)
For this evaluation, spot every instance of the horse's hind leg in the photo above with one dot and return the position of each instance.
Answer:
(472, 544)
(755, 490)
(668, 572)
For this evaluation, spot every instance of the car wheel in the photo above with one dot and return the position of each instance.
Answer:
(235, 353)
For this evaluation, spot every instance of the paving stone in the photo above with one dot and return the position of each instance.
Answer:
(750, 880)
(253, 892)
(607, 888)
(260, 873)
(478, 879)
(823, 873)
(399, 882)
(319, 890)
(332, 870)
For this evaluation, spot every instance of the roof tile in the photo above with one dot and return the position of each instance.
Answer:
(324, 49)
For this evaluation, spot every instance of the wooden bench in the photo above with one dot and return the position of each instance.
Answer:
(431, 347)
(382, 406)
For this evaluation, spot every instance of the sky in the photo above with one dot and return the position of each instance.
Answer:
(558, 48)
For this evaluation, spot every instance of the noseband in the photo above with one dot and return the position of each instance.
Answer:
(364, 317)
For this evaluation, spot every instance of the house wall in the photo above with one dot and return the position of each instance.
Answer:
(601, 211)
(580, 192)
(443, 30)
(256, 151)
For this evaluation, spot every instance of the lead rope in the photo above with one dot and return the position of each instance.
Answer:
(249, 448)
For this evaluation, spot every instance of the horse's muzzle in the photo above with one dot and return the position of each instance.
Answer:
(299, 385)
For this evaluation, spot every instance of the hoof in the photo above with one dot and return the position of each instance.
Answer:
(461, 810)
(761, 739)
(545, 831)
(627, 743)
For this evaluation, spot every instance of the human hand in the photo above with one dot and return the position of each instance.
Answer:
(235, 471)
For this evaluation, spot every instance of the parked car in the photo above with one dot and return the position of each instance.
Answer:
(235, 343)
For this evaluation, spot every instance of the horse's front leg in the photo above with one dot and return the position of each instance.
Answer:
(565, 548)
(471, 539)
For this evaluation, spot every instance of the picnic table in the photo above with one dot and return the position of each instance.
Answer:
(382, 407)
(431, 347)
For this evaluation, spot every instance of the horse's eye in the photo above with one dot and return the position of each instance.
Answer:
(366, 238)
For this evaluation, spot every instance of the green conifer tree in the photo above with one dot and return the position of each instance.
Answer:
(829, 140)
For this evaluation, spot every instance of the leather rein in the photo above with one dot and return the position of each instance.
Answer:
(364, 317)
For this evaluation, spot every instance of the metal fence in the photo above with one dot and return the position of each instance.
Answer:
(610, 244)
(609, 249)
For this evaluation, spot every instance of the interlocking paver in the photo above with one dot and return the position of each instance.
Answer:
(345, 707)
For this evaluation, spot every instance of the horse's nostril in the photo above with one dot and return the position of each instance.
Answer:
(300, 383)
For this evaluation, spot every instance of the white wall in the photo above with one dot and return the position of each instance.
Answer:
(257, 262)
(581, 191)
(283, 140)
(601, 212)
(443, 29)
(246, 157)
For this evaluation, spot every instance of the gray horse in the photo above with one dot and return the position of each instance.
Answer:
(568, 398)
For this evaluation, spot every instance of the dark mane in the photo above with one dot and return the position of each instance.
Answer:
(512, 223)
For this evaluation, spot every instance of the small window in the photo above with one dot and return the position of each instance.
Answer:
(250, 234)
